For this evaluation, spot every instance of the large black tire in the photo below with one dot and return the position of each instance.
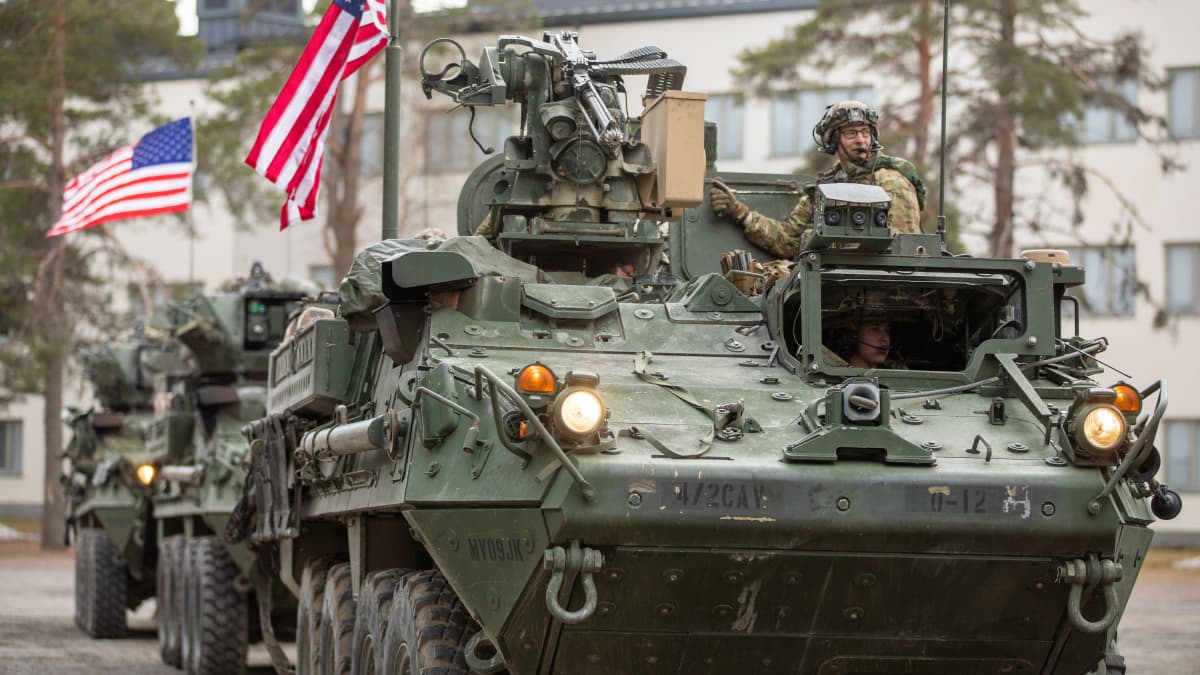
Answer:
(337, 622)
(428, 627)
(169, 594)
(214, 611)
(81, 583)
(101, 609)
(371, 620)
(308, 616)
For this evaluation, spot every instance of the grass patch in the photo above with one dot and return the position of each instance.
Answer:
(30, 525)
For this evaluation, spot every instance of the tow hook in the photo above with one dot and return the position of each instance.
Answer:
(1080, 573)
(574, 560)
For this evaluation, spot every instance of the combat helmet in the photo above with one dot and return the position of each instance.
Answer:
(838, 115)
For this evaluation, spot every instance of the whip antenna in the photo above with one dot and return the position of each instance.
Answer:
(941, 219)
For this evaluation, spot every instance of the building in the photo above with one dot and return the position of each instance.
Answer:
(1143, 294)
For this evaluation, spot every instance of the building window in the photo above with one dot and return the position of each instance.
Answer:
(448, 145)
(322, 275)
(1183, 107)
(10, 448)
(795, 113)
(370, 148)
(1183, 278)
(1110, 287)
(1181, 450)
(159, 295)
(216, 4)
(1102, 124)
(726, 111)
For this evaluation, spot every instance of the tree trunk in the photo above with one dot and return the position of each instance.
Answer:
(925, 100)
(53, 507)
(1006, 141)
(341, 224)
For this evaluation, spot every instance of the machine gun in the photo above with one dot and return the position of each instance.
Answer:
(580, 171)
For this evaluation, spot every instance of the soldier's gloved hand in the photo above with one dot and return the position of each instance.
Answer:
(725, 204)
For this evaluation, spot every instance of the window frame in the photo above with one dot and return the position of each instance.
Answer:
(1192, 482)
(1195, 108)
(10, 456)
(1078, 258)
(1194, 308)
(803, 132)
(454, 134)
(1113, 118)
(370, 148)
(734, 101)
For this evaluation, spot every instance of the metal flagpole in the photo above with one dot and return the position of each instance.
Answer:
(191, 225)
(391, 125)
(941, 219)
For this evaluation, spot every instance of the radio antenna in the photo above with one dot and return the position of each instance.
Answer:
(941, 219)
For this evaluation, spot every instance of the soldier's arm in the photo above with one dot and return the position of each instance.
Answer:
(783, 238)
(905, 215)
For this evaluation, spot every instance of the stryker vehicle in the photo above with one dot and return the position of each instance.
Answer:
(552, 450)
(107, 473)
(206, 589)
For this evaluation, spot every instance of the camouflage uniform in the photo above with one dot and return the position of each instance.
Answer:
(785, 238)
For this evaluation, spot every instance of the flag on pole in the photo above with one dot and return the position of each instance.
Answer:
(291, 140)
(149, 177)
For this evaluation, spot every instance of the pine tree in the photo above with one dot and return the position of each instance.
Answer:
(71, 83)
(1023, 74)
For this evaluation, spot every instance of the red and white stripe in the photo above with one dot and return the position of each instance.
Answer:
(291, 140)
(110, 190)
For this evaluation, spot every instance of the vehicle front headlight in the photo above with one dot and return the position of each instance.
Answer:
(145, 474)
(1100, 430)
(579, 412)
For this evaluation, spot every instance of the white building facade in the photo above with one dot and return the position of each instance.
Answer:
(1143, 292)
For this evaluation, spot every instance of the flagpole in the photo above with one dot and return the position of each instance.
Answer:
(191, 225)
(394, 54)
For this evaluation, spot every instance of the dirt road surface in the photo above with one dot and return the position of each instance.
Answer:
(1160, 634)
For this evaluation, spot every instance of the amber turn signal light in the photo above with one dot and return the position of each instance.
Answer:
(535, 379)
(1128, 399)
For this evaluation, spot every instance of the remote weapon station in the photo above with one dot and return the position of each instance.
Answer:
(570, 444)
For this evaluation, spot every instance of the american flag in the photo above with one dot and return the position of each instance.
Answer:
(149, 177)
(291, 140)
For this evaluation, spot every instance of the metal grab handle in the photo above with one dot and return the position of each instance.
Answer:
(585, 561)
(1141, 448)
(1079, 573)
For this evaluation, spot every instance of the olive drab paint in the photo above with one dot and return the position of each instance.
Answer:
(722, 490)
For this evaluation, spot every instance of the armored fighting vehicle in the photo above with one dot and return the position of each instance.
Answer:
(107, 474)
(576, 445)
(205, 588)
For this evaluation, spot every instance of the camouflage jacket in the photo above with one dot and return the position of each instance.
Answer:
(785, 238)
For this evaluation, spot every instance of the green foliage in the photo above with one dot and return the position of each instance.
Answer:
(1025, 74)
(245, 90)
(59, 117)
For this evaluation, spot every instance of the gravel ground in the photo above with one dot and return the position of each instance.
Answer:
(1160, 634)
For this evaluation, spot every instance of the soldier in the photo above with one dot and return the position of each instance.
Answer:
(864, 341)
(848, 130)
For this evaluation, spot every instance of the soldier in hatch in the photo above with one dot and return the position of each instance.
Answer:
(864, 341)
(850, 131)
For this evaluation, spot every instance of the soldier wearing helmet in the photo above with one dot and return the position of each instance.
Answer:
(848, 130)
